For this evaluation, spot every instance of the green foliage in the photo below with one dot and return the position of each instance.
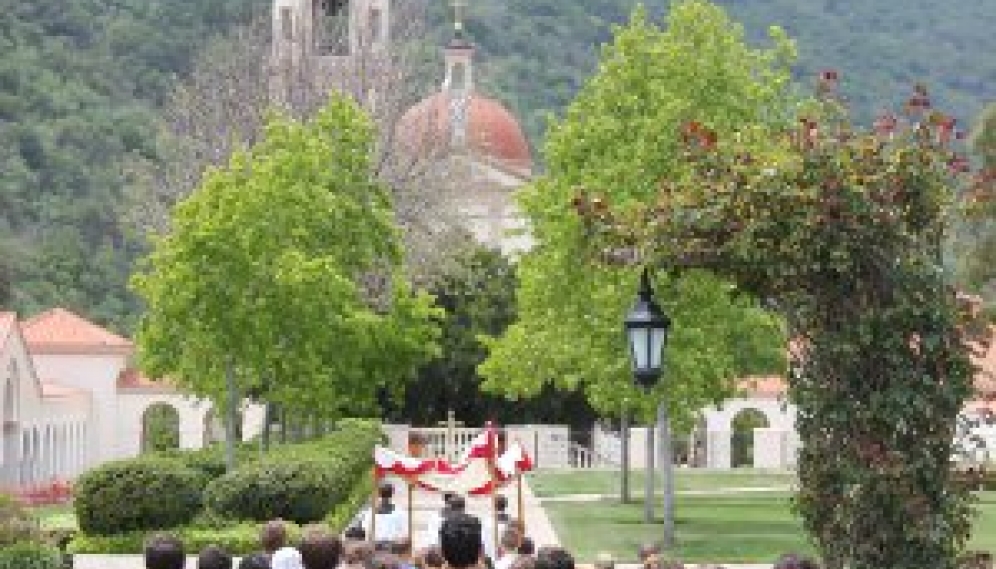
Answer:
(161, 428)
(287, 265)
(16, 523)
(237, 539)
(26, 555)
(976, 244)
(569, 331)
(302, 482)
(137, 494)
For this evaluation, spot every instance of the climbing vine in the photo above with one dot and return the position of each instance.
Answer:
(841, 230)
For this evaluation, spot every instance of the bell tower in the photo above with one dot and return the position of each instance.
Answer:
(328, 28)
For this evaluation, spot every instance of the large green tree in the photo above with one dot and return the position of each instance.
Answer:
(977, 243)
(616, 137)
(285, 266)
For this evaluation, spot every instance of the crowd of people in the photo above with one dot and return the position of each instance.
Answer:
(455, 540)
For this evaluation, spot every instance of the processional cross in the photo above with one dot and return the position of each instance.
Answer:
(451, 425)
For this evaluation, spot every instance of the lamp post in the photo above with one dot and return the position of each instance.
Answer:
(646, 329)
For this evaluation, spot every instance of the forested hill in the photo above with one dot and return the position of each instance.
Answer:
(80, 81)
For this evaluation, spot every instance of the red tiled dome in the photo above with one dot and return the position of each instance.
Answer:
(491, 129)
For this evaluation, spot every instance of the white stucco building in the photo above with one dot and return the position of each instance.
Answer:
(70, 399)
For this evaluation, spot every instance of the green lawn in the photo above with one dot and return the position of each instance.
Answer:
(559, 482)
(56, 517)
(748, 528)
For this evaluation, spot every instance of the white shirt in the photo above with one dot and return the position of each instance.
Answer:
(390, 527)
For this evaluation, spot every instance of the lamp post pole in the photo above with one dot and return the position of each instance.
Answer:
(667, 471)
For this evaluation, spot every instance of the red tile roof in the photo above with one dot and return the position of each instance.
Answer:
(60, 331)
(131, 378)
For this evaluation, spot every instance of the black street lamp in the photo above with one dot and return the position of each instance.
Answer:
(646, 328)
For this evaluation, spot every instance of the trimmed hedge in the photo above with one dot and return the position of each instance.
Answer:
(16, 524)
(137, 494)
(29, 555)
(237, 539)
(302, 482)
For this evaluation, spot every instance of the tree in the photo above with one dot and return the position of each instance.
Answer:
(239, 77)
(285, 266)
(844, 230)
(977, 243)
(569, 331)
(477, 293)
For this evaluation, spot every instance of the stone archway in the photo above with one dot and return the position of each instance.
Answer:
(160, 428)
(214, 428)
(742, 433)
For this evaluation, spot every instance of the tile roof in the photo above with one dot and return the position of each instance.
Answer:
(131, 378)
(60, 331)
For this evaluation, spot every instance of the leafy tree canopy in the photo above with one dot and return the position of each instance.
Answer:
(617, 136)
(286, 264)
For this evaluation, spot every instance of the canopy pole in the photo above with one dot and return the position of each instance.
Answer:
(373, 506)
(411, 512)
(521, 506)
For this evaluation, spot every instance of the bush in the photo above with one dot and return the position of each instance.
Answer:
(299, 490)
(16, 524)
(28, 555)
(137, 494)
(237, 539)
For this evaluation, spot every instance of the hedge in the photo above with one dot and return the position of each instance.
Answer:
(16, 524)
(237, 539)
(302, 482)
(30, 555)
(137, 494)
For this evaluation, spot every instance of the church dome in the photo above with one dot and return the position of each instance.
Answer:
(490, 130)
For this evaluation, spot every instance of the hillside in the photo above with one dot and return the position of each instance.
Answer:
(80, 82)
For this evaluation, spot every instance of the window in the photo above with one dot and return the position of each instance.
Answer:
(376, 25)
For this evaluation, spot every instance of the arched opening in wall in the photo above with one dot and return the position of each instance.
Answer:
(695, 450)
(742, 447)
(160, 428)
(214, 428)
(330, 26)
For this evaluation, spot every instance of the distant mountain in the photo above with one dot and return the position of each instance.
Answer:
(81, 80)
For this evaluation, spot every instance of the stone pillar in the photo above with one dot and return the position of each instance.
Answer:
(718, 449)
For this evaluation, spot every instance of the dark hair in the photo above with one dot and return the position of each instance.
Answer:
(460, 540)
(510, 539)
(273, 536)
(646, 550)
(320, 549)
(524, 562)
(402, 547)
(214, 557)
(164, 551)
(501, 502)
(457, 503)
(358, 552)
(554, 558)
(355, 532)
(433, 557)
(527, 546)
(385, 490)
(255, 561)
(383, 560)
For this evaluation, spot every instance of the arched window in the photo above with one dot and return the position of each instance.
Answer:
(160, 428)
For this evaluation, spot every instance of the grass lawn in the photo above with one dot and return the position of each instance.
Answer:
(559, 482)
(748, 528)
(56, 517)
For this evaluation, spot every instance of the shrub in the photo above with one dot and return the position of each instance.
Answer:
(302, 490)
(16, 524)
(28, 555)
(137, 494)
(237, 539)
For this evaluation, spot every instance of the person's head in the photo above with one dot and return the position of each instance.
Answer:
(432, 558)
(383, 560)
(794, 561)
(458, 504)
(554, 558)
(214, 557)
(527, 546)
(355, 533)
(164, 551)
(460, 540)
(447, 496)
(319, 549)
(510, 540)
(385, 491)
(646, 550)
(358, 553)
(286, 558)
(501, 503)
(254, 561)
(273, 536)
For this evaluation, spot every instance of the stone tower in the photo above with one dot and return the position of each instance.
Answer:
(328, 29)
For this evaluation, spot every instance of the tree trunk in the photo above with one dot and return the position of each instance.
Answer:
(231, 416)
(667, 471)
(624, 462)
(648, 479)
